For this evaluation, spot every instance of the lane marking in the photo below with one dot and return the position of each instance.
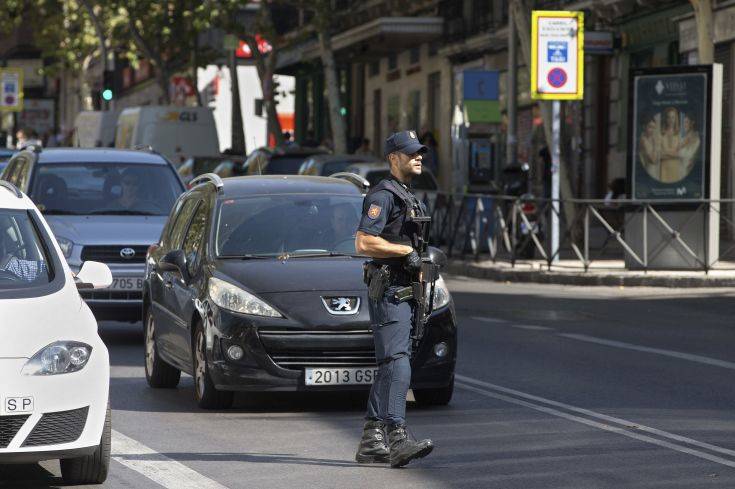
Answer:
(532, 327)
(658, 351)
(605, 427)
(489, 320)
(487, 388)
(159, 468)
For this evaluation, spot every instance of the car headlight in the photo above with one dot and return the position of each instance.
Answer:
(232, 298)
(441, 294)
(66, 246)
(61, 357)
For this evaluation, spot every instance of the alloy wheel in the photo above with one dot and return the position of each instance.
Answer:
(201, 365)
(150, 343)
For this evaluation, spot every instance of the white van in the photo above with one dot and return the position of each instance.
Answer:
(177, 133)
(95, 128)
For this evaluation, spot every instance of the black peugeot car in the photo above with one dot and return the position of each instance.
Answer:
(255, 286)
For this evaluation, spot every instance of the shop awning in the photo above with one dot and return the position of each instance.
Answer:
(389, 34)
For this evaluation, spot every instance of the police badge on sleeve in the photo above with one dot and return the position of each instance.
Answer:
(374, 211)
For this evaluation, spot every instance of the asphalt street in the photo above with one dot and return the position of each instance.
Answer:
(557, 387)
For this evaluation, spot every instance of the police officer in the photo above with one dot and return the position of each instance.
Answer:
(386, 234)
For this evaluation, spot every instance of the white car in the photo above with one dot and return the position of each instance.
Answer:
(54, 368)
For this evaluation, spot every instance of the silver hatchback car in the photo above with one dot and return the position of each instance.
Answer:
(105, 205)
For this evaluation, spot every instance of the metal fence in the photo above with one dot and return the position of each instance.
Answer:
(592, 232)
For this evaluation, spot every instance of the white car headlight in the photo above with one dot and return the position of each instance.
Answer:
(61, 357)
(66, 246)
(441, 294)
(232, 298)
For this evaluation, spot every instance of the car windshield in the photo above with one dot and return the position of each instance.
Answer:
(284, 165)
(23, 262)
(105, 188)
(290, 224)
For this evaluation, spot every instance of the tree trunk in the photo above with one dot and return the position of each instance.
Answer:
(237, 141)
(339, 133)
(265, 68)
(705, 37)
(522, 14)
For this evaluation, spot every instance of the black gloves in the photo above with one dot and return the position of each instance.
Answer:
(412, 262)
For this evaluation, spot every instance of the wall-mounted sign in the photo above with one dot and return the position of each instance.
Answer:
(11, 89)
(557, 55)
(599, 42)
(674, 132)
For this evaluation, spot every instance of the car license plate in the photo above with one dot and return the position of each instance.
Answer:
(127, 283)
(340, 376)
(18, 405)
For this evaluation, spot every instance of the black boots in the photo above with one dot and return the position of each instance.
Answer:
(403, 450)
(373, 448)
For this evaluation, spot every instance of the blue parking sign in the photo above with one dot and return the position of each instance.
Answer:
(557, 51)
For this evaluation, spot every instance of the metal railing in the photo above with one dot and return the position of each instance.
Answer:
(637, 232)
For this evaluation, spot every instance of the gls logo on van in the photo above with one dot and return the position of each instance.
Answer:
(183, 116)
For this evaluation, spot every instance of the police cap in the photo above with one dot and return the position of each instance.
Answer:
(405, 141)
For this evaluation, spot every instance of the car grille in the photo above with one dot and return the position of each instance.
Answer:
(59, 427)
(295, 350)
(9, 426)
(111, 254)
(112, 295)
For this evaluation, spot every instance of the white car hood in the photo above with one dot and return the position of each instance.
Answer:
(29, 324)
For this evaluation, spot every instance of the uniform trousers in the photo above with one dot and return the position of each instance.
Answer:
(391, 325)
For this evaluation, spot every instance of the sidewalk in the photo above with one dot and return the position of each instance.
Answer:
(608, 273)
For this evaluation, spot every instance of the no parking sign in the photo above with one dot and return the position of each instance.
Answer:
(557, 55)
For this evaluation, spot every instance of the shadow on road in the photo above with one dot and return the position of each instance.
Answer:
(26, 476)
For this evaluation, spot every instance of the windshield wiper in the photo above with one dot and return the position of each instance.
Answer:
(286, 256)
(245, 257)
(121, 212)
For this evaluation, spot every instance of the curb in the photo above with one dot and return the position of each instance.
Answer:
(608, 279)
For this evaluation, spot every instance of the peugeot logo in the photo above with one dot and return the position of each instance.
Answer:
(342, 305)
(127, 253)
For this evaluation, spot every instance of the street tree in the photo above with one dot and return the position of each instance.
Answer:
(166, 32)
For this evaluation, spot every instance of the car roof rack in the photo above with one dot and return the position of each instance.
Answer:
(353, 178)
(212, 178)
(12, 188)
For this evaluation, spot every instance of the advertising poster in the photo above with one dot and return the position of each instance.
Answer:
(669, 136)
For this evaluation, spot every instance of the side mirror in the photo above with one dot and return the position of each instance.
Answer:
(437, 257)
(93, 275)
(174, 261)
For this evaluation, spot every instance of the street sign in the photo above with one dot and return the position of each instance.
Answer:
(11, 89)
(557, 55)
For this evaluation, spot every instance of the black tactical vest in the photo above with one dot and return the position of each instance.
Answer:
(399, 228)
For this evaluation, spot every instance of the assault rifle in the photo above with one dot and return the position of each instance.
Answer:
(423, 284)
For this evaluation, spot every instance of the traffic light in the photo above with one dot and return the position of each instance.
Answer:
(108, 85)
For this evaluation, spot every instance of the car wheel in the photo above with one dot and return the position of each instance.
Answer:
(435, 397)
(158, 373)
(93, 468)
(207, 396)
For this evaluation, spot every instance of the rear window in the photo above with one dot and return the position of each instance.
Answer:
(23, 261)
(335, 167)
(284, 165)
(105, 188)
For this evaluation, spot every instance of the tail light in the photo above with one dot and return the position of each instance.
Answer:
(528, 208)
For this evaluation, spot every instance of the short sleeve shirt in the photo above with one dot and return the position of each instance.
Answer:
(377, 208)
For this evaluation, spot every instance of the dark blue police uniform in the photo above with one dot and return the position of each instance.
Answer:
(386, 213)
